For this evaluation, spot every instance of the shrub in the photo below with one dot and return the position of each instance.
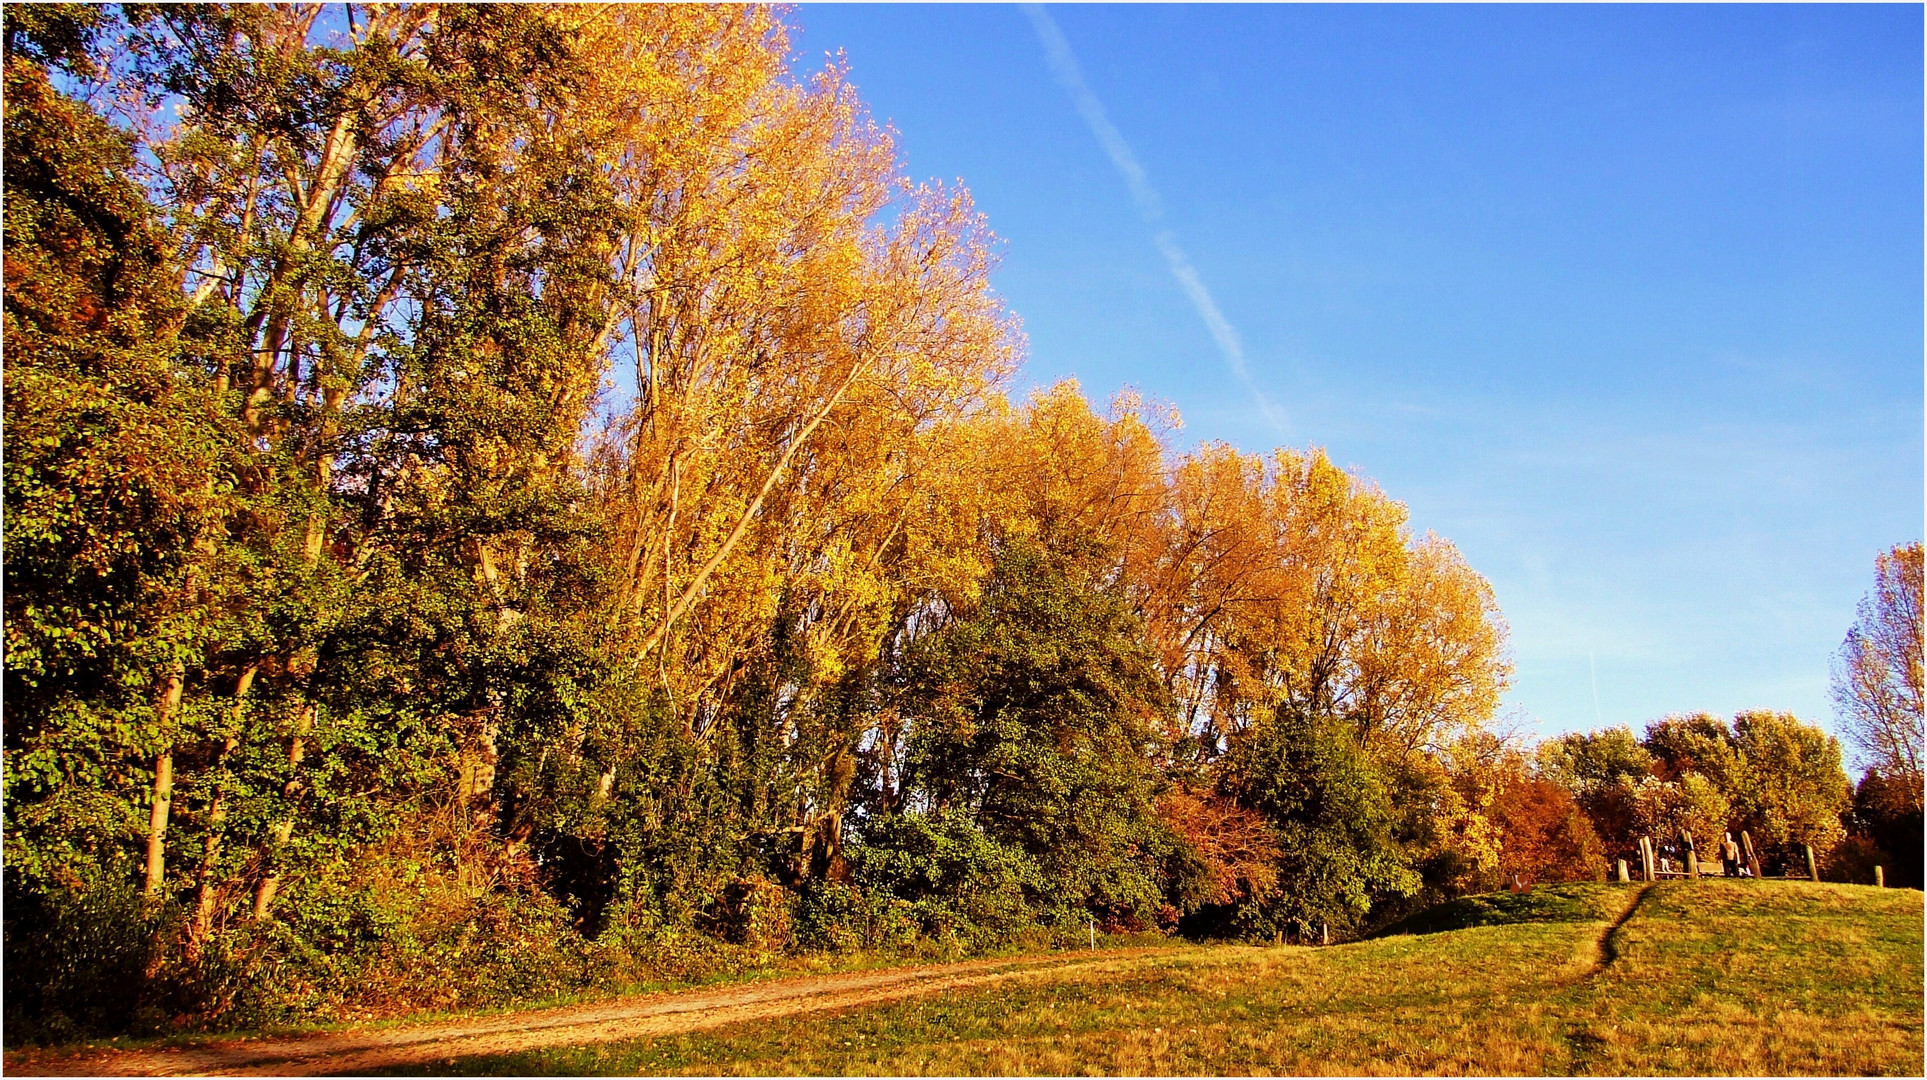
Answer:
(71, 956)
(963, 885)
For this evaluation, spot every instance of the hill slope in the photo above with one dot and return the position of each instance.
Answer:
(1761, 978)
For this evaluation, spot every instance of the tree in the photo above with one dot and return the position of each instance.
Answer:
(1790, 788)
(114, 580)
(1544, 836)
(1877, 681)
(1331, 813)
(1505, 821)
(1669, 810)
(1601, 769)
(1035, 715)
(1879, 818)
(1290, 581)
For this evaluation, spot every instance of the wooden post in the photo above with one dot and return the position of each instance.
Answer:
(1813, 868)
(1093, 935)
(1879, 877)
(1324, 934)
(1752, 857)
(1692, 864)
(1624, 878)
(1650, 855)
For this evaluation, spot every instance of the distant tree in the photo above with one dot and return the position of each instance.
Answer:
(1877, 679)
(1692, 743)
(1544, 836)
(1601, 769)
(1790, 788)
(1892, 834)
(1584, 762)
(1669, 810)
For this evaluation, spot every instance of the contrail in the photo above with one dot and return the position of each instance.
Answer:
(1064, 65)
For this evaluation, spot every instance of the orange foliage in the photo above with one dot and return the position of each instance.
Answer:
(1233, 842)
(1544, 836)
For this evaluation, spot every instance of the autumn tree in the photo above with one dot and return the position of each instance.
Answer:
(1877, 682)
(1601, 769)
(1500, 818)
(1291, 582)
(1544, 836)
(1791, 788)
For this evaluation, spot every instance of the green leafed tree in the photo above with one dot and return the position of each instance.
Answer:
(1034, 714)
(1331, 812)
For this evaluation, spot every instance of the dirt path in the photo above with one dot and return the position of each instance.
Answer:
(623, 1018)
(1596, 954)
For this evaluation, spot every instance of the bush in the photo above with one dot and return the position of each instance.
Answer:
(756, 913)
(1330, 809)
(71, 956)
(962, 884)
(833, 916)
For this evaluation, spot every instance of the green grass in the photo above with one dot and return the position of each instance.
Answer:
(1707, 977)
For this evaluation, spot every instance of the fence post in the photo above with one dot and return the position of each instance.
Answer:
(1813, 869)
(1624, 878)
(1879, 877)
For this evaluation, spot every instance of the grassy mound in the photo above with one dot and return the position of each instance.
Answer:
(1583, 902)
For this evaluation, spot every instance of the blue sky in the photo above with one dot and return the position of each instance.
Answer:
(1626, 301)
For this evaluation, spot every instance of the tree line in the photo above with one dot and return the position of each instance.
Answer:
(503, 500)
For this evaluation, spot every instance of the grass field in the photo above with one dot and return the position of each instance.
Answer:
(1722, 977)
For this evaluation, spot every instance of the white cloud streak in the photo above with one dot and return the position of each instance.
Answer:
(1150, 207)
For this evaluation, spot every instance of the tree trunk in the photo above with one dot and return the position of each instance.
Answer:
(163, 788)
(270, 884)
(204, 898)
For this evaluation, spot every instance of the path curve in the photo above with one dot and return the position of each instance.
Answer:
(575, 1025)
(1597, 953)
